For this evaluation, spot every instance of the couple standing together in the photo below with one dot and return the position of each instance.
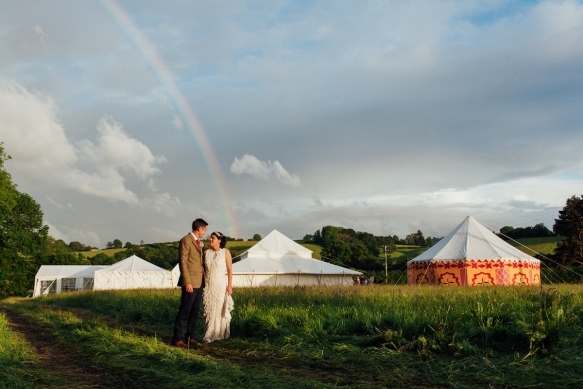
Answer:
(209, 271)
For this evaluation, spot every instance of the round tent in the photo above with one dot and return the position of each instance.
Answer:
(473, 255)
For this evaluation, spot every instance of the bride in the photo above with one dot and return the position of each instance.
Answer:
(217, 299)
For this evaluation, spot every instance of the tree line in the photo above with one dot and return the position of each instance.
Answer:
(536, 231)
(25, 244)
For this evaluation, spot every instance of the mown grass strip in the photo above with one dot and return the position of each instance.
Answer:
(19, 367)
(149, 362)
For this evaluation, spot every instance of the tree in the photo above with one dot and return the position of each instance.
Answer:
(76, 246)
(570, 225)
(22, 234)
(102, 259)
(117, 244)
(429, 241)
(128, 245)
(256, 237)
(109, 245)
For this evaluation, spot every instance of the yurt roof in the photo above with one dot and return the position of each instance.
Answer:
(133, 263)
(278, 243)
(471, 240)
(70, 271)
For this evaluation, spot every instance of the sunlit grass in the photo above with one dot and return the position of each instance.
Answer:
(18, 364)
(435, 334)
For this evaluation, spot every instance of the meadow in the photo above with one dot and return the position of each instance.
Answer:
(545, 246)
(360, 336)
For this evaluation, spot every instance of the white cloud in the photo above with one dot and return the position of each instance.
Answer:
(249, 164)
(68, 235)
(177, 122)
(43, 154)
(38, 30)
(116, 151)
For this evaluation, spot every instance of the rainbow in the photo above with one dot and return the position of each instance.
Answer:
(126, 24)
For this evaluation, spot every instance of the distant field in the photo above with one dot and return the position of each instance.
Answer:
(91, 254)
(543, 246)
(404, 253)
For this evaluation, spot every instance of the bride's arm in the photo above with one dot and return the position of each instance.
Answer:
(229, 272)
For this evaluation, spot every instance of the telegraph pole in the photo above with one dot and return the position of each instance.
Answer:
(386, 266)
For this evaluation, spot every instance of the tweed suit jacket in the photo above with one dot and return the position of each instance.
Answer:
(190, 262)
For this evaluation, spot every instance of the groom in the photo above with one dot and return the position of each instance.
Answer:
(192, 282)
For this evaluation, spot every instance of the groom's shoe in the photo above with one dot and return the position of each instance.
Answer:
(180, 344)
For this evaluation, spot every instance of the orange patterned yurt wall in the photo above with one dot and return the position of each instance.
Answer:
(474, 272)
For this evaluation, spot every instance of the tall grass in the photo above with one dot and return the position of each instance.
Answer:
(502, 335)
(436, 319)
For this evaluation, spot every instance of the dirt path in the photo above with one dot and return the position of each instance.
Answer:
(67, 367)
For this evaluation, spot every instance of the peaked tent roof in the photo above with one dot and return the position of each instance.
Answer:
(295, 265)
(71, 271)
(133, 263)
(471, 240)
(276, 242)
(289, 257)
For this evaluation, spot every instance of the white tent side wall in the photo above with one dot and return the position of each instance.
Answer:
(54, 279)
(290, 279)
(133, 280)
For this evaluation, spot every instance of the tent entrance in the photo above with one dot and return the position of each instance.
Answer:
(48, 287)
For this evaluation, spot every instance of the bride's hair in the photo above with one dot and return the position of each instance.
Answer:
(220, 237)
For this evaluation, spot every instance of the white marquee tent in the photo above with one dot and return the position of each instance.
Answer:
(277, 260)
(63, 278)
(132, 273)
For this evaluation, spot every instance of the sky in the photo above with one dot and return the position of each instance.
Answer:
(129, 119)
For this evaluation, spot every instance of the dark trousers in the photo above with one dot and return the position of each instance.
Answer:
(188, 311)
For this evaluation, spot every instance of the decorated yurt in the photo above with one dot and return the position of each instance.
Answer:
(473, 255)
(276, 260)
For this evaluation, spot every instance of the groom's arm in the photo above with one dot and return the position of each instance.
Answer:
(183, 251)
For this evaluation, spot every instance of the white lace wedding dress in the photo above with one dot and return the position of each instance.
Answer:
(217, 303)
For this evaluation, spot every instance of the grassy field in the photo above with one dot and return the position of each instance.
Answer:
(91, 254)
(543, 246)
(361, 337)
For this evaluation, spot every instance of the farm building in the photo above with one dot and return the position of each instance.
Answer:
(132, 273)
(52, 279)
(276, 260)
(473, 255)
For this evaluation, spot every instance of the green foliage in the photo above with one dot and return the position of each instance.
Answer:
(76, 246)
(537, 231)
(22, 235)
(570, 225)
(117, 244)
(256, 237)
(103, 259)
(160, 254)
(349, 248)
